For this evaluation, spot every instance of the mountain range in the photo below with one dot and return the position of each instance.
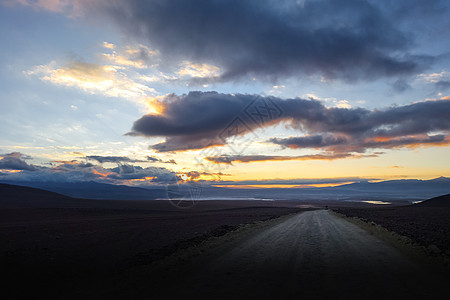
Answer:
(392, 190)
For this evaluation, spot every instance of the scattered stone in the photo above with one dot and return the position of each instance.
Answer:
(433, 249)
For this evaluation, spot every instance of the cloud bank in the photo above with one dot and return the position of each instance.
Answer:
(15, 161)
(76, 171)
(199, 120)
(229, 159)
(349, 40)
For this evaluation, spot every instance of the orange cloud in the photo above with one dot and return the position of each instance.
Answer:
(103, 174)
(143, 179)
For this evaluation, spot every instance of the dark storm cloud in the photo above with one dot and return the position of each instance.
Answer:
(15, 161)
(153, 159)
(200, 120)
(188, 114)
(229, 159)
(70, 165)
(313, 141)
(124, 159)
(130, 172)
(358, 145)
(192, 121)
(347, 39)
(112, 159)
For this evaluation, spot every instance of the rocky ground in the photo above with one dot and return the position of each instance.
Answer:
(53, 250)
(428, 226)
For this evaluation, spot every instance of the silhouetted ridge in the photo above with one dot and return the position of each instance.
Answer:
(12, 192)
(440, 201)
(95, 190)
(22, 196)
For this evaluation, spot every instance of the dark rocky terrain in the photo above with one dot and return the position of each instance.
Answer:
(427, 222)
(54, 244)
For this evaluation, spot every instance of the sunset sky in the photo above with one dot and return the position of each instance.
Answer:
(277, 93)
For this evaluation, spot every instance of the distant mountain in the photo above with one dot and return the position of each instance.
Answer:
(393, 190)
(433, 185)
(409, 190)
(441, 201)
(95, 190)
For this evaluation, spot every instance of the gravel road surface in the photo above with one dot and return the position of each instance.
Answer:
(311, 255)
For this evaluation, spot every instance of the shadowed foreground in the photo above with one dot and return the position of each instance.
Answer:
(312, 255)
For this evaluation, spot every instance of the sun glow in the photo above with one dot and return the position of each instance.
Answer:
(153, 105)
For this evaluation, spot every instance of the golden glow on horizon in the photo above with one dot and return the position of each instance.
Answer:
(257, 186)
(10, 171)
(423, 163)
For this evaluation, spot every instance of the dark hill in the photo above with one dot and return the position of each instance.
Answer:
(96, 190)
(440, 201)
(22, 196)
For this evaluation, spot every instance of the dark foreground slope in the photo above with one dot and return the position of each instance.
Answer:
(441, 201)
(96, 190)
(427, 223)
(22, 196)
(55, 245)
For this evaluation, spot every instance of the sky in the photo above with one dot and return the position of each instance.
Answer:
(277, 93)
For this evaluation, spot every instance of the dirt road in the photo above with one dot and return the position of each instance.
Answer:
(311, 255)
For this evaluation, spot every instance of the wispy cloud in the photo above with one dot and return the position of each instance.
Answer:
(435, 77)
(48, 5)
(139, 56)
(440, 80)
(72, 8)
(93, 78)
(198, 70)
